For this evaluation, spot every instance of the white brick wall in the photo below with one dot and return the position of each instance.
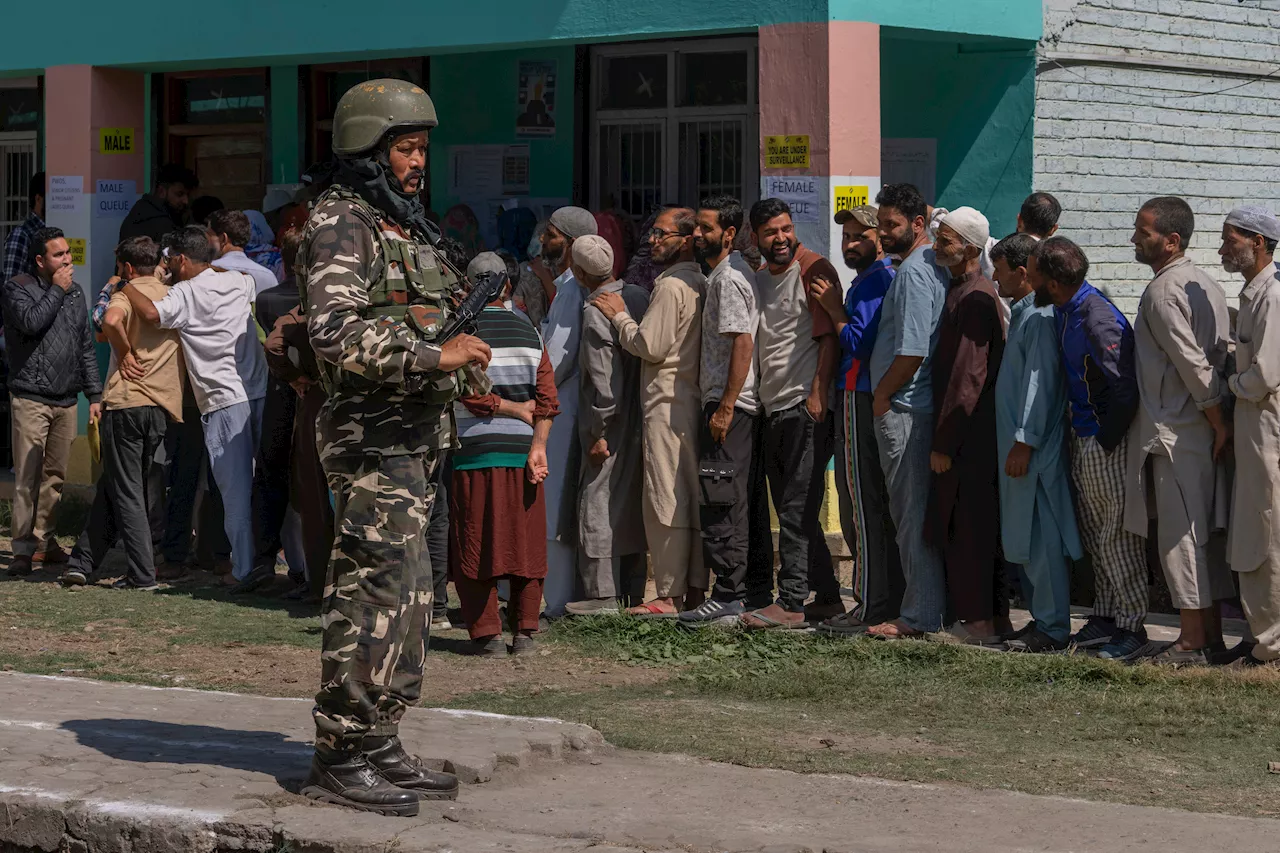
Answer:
(1108, 137)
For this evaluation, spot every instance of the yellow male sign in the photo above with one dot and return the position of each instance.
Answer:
(115, 140)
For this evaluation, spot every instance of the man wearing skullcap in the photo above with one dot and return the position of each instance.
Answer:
(1180, 334)
(562, 331)
(1097, 349)
(497, 517)
(668, 342)
(964, 503)
(1248, 247)
(611, 534)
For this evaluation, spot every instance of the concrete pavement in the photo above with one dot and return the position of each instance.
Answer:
(88, 766)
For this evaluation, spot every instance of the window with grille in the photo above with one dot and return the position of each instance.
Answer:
(673, 123)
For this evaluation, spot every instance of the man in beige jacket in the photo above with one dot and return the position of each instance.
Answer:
(1181, 431)
(669, 343)
(1248, 247)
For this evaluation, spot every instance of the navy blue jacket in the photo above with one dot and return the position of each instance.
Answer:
(1098, 354)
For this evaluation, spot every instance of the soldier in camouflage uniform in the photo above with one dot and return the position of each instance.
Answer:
(376, 294)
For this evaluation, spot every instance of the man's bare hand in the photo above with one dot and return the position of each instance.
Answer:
(536, 469)
(599, 452)
(130, 368)
(301, 386)
(939, 462)
(828, 296)
(880, 406)
(721, 420)
(63, 276)
(520, 411)
(1221, 441)
(1019, 460)
(816, 406)
(463, 350)
(610, 305)
(95, 412)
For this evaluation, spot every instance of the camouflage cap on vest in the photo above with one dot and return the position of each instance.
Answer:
(369, 110)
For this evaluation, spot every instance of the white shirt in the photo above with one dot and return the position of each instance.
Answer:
(263, 278)
(213, 316)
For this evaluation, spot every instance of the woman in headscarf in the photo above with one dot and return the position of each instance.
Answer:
(261, 246)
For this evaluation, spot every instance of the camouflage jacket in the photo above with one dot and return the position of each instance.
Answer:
(342, 255)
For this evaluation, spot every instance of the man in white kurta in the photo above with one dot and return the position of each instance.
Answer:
(1248, 247)
(562, 335)
(669, 343)
(1180, 432)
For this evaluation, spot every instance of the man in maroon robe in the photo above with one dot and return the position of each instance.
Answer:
(964, 505)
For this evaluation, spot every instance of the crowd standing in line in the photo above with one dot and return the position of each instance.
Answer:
(992, 418)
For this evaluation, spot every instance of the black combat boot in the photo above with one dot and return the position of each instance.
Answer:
(354, 783)
(387, 756)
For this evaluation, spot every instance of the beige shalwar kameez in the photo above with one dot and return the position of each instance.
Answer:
(669, 342)
(1180, 333)
(1254, 545)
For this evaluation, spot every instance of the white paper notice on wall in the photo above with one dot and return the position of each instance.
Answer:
(114, 199)
(911, 161)
(800, 192)
(66, 195)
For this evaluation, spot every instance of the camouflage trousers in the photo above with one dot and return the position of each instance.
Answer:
(377, 609)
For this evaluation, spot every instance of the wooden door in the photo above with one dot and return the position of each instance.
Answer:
(231, 166)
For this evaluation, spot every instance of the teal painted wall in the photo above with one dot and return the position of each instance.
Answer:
(157, 34)
(285, 125)
(979, 106)
(475, 98)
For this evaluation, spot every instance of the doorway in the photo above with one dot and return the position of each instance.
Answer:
(215, 125)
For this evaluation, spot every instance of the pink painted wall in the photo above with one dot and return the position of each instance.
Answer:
(68, 103)
(823, 79)
(80, 100)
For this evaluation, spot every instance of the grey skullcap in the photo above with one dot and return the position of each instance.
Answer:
(485, 262)
(593, 255)
(574, 222)
(1256, 219)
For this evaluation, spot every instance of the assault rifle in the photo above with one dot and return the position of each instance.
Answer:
(486, 288)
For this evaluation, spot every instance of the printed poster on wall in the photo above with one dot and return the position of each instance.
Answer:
(801, 194)
(911, 161)
(114, 199)
(536, 98)
(66, 195)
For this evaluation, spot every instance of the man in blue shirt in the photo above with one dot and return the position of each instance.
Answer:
(902, 402)
(1102, 389)
(864, 502)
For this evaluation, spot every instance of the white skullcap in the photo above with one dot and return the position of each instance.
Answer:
(971, 225)
(1259, 220)
(574, 222)
(593, 255)
(486, 262)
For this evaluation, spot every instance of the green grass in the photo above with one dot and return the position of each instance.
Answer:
(931, 712)
(204, 616)
(926, 712)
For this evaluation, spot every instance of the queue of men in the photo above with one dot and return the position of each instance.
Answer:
(986, 432)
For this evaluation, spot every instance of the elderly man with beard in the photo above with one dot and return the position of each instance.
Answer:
(730, 411)
(902, 402)
(797, 355)
(1180, 335)
(1102, 389)
(562, 334)
(864, 503)
(1248, 247)
(964, 503)
(668, 342)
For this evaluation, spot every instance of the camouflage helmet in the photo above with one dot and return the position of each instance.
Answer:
(369, 110)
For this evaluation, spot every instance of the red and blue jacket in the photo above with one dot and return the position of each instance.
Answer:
(1098, 354)
(862, 303)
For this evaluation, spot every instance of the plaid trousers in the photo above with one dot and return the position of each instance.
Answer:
(1119, 557)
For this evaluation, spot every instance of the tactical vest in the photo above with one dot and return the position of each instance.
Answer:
(418, 299)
